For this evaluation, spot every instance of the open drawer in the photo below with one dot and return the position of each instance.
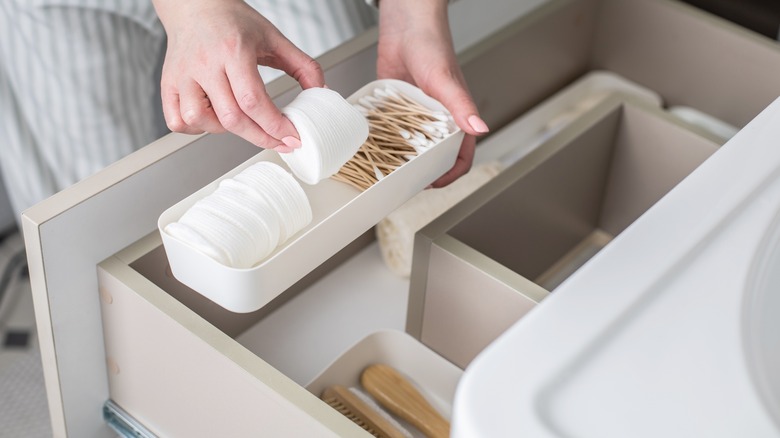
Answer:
(180, 366)
(183, 366)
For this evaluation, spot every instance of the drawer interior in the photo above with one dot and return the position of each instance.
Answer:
(570, 205)
(164, 342)
(485, 263)
(153, 265)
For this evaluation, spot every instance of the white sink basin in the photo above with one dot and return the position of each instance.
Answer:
(672, 330)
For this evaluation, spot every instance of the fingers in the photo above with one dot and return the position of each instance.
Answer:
(232, 117)
(462, 163)
(245, 110)
(252, 99)
(172, 112)
(449, 89)
(299, 65)
(196, 110)
(234, 98)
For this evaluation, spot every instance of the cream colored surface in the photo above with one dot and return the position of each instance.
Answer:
(524, 134)
(653, 152)
(44, 330)
(167, 358)
(687, 56)
(469, 301)
(573, 260)
(142, 322)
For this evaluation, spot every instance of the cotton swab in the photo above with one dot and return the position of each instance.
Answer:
(399, 129)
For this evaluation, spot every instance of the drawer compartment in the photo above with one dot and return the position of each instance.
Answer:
(485, 263)
(434, 377)
(183, 366)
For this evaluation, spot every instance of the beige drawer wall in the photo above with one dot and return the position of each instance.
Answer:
(688, 56)
(469, 304)
(180, 376)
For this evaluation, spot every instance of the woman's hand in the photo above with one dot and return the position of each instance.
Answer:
(415, 45)
(210, 80)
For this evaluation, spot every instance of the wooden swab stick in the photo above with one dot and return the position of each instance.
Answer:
(399, 127)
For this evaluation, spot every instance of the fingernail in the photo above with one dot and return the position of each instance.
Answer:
(282, 149)
(430, 186)
(478, 124)
(325, 86)
(291, 142)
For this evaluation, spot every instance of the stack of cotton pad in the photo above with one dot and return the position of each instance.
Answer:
(247, 217)
(331, 132)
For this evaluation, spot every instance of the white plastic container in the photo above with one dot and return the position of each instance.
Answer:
(435, 377)
(341, 213)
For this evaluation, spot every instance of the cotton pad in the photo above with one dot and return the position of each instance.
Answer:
(331, 131)
(196, 241)
(246, 218)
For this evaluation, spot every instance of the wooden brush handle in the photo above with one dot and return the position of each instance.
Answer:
(400, 397)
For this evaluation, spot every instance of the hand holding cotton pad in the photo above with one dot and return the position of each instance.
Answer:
(331, 131)
(249, 215)
(338, 215)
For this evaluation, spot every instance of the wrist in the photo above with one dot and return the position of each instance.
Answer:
(415, 8)
(375, 3)
(173, 12)
(403, 18)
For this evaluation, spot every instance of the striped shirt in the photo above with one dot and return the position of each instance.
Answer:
(79, 80)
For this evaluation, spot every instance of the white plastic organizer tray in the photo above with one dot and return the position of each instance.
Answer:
(341, 213)
(433, 376)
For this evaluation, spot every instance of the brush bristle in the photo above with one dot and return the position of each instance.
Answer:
(336, 404)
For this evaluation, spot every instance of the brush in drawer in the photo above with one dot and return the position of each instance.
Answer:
(399, 396)
(357, 407)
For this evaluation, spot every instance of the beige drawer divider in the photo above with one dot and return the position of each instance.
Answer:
(483, 265)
